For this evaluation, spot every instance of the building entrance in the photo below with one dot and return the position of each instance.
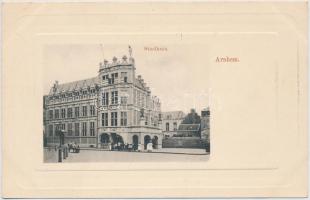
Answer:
(147, 139)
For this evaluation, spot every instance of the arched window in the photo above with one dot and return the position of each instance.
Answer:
(167, 126)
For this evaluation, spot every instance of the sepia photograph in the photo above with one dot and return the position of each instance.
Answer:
(124, 103)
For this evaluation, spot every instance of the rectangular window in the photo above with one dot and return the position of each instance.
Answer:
(63, 113)
(123, 118)
(104, 119)
(70, 132)
(84, 128)
(92, 110)
(114, 97)
(113, 118)
(63, 127)
(84, 111)
(77, 129)
(92, 129)
(50, 114)
(105, 77)
(105, 98)
(69, 114)
(77, 111)
(50, 130)
(57, 114)
(114, 76)
(124, 77)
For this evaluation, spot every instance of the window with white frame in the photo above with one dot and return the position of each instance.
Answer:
(50, 130)
(77, 129)
(77, 111)
(123, 118)
(92, 110)
(114, 97)
(63, 113)
(104, 119)
(92, 129)
(69, 112)
(50, 114)
(113, 118)
(84, 128)
(84, 111)
(105, 99)
(70, 132)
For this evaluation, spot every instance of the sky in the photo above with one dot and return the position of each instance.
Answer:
(178, 77)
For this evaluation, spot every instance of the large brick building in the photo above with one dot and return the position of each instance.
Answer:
(114, 106)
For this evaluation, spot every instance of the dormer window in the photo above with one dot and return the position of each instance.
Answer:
(84, 92)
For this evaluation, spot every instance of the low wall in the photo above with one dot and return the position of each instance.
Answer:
(183, 142)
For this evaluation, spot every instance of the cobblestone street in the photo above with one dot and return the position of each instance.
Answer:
(163, 155)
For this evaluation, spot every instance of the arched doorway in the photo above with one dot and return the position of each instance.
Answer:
(135, 142)
(117, 138)
(155, 142)
(147, 139)
(117, 142)
(104, 138)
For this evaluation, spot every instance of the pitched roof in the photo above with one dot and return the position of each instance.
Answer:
(75, 85)
(189, 127)
(173, 115)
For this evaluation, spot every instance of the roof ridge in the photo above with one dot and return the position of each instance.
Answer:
(77, 81)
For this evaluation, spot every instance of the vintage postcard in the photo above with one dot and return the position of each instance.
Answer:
(114, 115)
(154, 100)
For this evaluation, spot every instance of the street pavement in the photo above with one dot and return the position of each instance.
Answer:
(158, 155)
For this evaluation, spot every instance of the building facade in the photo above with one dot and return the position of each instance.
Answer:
(205, 125)
(116, 106)
(171, 121)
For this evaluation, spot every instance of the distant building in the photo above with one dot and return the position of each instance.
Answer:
(171, 121)
(188, 130)
(116, 106)
(205, 125)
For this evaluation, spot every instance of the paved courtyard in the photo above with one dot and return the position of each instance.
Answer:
(162, 155)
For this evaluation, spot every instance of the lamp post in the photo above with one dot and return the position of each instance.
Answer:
(61, 134)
